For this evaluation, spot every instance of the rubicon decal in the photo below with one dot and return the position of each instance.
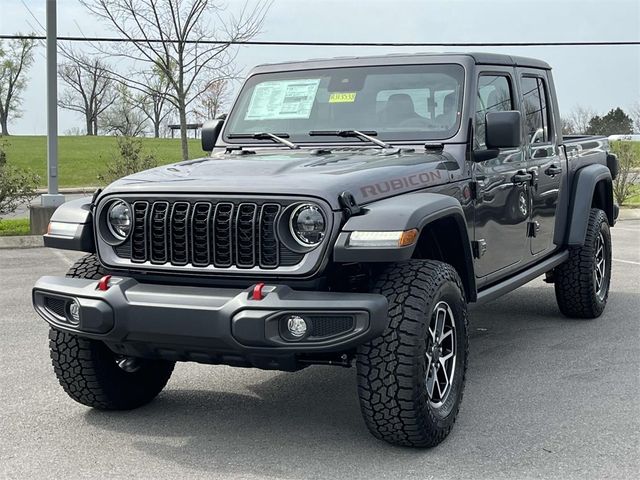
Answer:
(402, 183)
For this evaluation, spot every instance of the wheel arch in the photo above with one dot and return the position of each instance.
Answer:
(592, 188)
(431, 247)
(433, 215)
(603, 199)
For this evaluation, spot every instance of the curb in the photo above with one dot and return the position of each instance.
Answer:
(70, 190)
(629, 214)
(22, 241)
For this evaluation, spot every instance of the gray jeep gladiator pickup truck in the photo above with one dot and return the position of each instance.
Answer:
(348, 212)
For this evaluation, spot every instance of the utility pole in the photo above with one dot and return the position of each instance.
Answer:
(52, 198)
(40, 215)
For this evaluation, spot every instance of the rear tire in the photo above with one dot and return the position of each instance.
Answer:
(582, 282)
(400, 401)
(88, 370)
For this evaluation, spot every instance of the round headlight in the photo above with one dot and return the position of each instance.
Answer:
(119, 219)
(307, 225)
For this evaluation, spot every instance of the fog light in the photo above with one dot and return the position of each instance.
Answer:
(74, 312)
(297, 326)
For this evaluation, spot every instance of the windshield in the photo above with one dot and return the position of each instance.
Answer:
(399, 102)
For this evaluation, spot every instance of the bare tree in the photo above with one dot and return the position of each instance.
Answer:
(634, 113)
(185, 54)
(90, 87)
(124, 117)
(580, 117)
(567, 126)
(16, 57)
(153, 100)
(213, 100)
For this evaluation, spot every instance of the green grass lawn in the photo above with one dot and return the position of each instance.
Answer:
(14, 227)
(82, 159)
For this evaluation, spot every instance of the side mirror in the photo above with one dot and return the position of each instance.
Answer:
(503, 129)
(210, 133)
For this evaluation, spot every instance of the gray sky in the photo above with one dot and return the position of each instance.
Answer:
(598, 77)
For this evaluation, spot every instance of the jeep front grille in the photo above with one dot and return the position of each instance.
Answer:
(220, 234)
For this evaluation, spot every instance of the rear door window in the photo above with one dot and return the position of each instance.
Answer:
(536, 110)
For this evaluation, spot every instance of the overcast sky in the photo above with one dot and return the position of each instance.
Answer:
(599, 77)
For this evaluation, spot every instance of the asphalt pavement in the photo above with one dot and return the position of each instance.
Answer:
(546, 397)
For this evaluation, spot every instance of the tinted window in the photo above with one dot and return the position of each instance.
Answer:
(400, 102)
(494, 95)
(536, 110)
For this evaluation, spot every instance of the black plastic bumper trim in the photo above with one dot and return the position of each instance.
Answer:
(195, 323)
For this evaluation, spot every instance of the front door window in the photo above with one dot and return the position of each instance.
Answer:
(502, 207)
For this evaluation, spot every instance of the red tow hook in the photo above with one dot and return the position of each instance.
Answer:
(257, 291)
(103, 283)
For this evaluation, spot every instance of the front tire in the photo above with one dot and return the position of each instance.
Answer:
(582, 282)
(91, 374)
(411, 379)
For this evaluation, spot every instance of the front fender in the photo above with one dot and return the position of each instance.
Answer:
(404, 212)
(71, 227)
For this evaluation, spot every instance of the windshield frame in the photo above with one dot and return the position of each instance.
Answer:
(416, 137)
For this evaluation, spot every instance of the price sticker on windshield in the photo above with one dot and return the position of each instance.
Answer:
(342, 97)
(283, 99)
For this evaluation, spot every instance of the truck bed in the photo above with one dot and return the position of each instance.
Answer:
(582, 150)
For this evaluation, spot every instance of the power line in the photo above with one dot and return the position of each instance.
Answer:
(327, 44)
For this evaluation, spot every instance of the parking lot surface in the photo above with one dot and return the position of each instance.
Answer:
(546, 397)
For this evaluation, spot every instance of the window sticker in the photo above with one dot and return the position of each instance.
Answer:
(282, 99)
(342, 97)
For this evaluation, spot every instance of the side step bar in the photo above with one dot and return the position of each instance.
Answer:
(511, 283)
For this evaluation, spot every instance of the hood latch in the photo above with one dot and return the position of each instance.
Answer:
(349, 205)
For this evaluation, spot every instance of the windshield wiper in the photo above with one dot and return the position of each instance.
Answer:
(279, 138)
(366, 135)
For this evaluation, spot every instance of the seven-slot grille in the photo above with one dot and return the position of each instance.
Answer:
(222, 234)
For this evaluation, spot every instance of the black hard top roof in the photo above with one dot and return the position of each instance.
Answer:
(479, 58)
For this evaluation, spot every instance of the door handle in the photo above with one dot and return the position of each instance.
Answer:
(553, 170)
(522, 177)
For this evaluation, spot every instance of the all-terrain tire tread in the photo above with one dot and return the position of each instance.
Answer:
(387, 366)
(573, 279)
(87, 267)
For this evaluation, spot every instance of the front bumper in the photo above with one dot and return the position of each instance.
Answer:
(210, 325)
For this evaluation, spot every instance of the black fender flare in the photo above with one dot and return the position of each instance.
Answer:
(584, 186)
(71, 227)
(404, 212)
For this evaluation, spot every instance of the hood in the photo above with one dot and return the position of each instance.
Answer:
(368, 174)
